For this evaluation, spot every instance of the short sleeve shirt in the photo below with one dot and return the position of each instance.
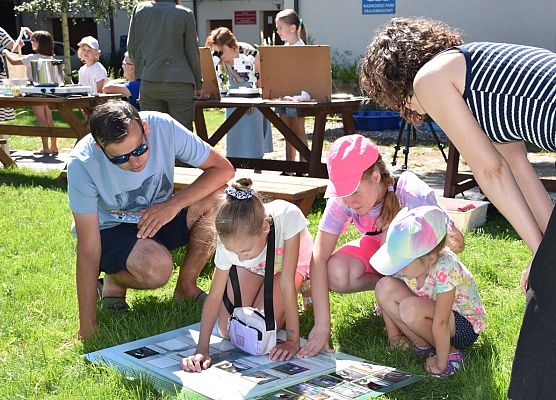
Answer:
(288, 222)
(410, 190)
(89, 75)
(95, 185)
(447, 274)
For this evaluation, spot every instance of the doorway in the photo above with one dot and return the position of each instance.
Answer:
(269, 27)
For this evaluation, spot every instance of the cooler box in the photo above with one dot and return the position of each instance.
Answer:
(377, 120)
(464, 220)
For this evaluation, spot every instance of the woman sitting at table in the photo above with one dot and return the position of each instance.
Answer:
(43, 48)
(251, 136)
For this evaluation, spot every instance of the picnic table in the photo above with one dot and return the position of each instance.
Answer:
(457, 182)
(320, 110)
(67, 107)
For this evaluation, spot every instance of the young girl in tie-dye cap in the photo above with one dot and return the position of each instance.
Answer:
(432, 302)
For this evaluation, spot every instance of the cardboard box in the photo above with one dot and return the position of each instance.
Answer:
(465, 220)
(287, 70)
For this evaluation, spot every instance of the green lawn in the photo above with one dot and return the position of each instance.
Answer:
(25, 116)
(40, 357)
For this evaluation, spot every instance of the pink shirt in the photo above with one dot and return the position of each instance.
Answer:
(410, 190)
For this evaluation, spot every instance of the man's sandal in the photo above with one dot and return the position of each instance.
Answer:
(200, 297)
(114, 305)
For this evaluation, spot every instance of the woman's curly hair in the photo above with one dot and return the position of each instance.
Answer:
(395, 54)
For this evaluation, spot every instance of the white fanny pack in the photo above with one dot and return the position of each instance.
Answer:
(249, 329)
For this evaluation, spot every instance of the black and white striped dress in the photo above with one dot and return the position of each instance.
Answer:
(511, 91)
(6, 114)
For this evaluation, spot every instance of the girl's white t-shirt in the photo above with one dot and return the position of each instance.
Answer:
(288, 222)
(88, 76)
(298, 43)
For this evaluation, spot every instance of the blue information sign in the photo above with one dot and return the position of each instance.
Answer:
(378, 6)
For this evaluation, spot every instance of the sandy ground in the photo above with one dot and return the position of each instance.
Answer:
(424, 158)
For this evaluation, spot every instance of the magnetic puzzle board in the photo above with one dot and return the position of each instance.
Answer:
(235, 374)
(287, 70)
(210, 82)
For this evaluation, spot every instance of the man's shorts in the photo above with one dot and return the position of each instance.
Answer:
(362, 249)
(117, 242)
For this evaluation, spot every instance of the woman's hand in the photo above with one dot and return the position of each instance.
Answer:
(317, 340)
(283, 351)
(196, 362)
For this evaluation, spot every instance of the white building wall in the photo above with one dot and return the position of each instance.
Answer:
(342, 24)
(224, 9)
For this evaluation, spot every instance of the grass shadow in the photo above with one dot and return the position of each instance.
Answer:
(364, 336)
(23, 177)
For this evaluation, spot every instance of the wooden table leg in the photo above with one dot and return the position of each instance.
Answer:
(286, 131)
(78, 127)
(200, 124)
(305, 204)
(348, 121)
(6, 159)
(227, 125)
(450, 179)
(315, 165)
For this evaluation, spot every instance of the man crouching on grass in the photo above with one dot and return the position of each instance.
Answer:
(120, 185)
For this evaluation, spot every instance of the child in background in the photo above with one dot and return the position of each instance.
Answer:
(243, 224)
(93, 73)
(361, 190)
(43, 46)
(291, 30)
(435, 304)
(129, 88)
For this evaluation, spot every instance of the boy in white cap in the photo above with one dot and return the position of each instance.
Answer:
(93, 73)
(433, 303)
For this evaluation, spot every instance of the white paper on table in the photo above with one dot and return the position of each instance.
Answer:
(163, 362)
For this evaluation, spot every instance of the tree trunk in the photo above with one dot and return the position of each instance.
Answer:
(65, 39)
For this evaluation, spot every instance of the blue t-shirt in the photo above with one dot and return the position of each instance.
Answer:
(95, 185)
(133, 87)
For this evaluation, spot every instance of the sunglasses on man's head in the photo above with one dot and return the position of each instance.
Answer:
(139, 151)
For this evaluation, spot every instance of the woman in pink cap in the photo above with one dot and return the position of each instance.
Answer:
(361, 190)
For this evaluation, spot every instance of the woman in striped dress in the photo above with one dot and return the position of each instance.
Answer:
(6, 42)
(489, 98)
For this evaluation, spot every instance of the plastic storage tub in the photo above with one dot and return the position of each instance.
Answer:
(377, 120)
(465, 220)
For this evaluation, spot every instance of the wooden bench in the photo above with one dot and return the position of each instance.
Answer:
(301, 191)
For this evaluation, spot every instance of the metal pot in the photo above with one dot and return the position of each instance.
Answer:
(47, 72)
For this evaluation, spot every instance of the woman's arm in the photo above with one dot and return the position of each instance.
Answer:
(286, 350)
(441, 330)
(12, 57)
(201, 359)
(325, 243)
(454, 239)
(436, 89)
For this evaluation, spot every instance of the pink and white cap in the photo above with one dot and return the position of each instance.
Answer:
(411, 234)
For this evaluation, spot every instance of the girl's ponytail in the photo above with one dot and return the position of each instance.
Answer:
(390, 203)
